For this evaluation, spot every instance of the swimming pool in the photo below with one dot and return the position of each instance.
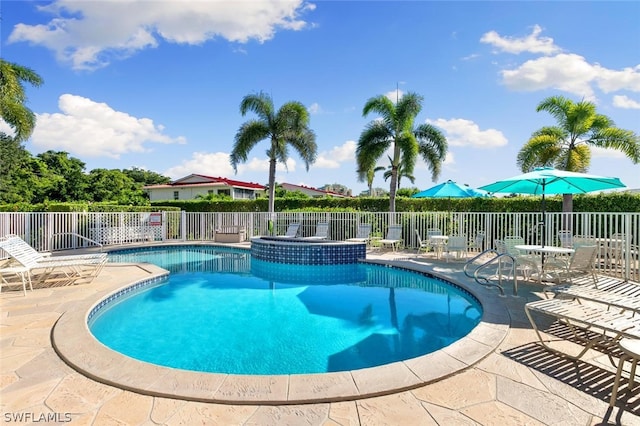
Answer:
(221, 311)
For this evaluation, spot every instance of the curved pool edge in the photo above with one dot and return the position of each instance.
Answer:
(75, 344)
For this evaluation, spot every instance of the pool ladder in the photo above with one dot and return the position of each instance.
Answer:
(493, 270)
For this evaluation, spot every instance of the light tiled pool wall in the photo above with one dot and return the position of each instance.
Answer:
(304, 252)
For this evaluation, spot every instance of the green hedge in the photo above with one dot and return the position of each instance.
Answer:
(617, 202)
(81, 207)
(610, 203)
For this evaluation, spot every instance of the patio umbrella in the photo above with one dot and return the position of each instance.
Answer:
(547, 180)
(448, 189)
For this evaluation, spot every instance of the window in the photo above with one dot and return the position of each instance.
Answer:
(224, 192)
(176, 195)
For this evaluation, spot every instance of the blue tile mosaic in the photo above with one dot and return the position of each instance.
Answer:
(305, 252)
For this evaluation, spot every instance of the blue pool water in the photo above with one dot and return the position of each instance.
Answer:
(221, 311)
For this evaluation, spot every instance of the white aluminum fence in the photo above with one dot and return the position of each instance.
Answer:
(58, 231)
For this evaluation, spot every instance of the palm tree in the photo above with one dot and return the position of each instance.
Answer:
(566, 146)
(369, 175)
(395, 129)
(13, 98)
(288, 126)
(401, 173)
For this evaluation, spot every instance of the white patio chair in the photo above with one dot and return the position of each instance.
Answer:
(363, 234)
(477, 245)
(393, 238)
(422, 245)
(456, 244)
(565, 238)
(322, 232)
(580, 263)
(526, 263)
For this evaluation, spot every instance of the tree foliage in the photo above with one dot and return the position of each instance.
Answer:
(395, 130)
(285, 128)
(567, 145)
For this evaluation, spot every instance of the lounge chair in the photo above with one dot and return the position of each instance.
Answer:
(25, 248)
(363, 234)
(30, 264)
(292, 230)
(607, 323)
(322, 232)
(393, 238)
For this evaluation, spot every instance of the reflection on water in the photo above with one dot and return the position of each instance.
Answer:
(309, 274)
(188, 258)
(234, 314)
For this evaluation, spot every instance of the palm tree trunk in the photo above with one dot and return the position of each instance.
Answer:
(567, 203)
(272, 185)
(392, 189)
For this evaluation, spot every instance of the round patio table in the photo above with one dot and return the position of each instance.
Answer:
(631, 349)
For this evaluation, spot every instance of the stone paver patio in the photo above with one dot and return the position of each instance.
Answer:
(517, 382)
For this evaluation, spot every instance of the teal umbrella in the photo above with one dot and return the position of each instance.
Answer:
(547, 180)
(448, 189)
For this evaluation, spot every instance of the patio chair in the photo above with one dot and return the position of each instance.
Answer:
(526, 263)
(477, 244)
(393, 238)
(456, 244)
(580, 263)
(322, 232)
(292, 231)
(422, 245)
(20, 272)
(30, 264)
(363, 234)
(565, 238)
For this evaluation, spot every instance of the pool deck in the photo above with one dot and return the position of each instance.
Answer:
(516, 381)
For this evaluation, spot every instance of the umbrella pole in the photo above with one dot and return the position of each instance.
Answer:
(544, 221)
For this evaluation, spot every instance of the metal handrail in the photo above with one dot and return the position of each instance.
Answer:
(484, 280)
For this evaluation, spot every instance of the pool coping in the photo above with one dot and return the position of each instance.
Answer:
(74, 343)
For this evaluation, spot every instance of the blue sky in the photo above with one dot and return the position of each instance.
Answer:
(158, 84)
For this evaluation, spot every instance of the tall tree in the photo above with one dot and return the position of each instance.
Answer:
(73, 185)
(369, 176)
(22, 120)
(289, 126)
(395, 129)
(13, 109)
(401, 173)
(567, 145)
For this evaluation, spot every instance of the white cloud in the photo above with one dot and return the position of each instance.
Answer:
(204, 163)
(335, 157)
(218, 164)
(91, 129)
(531, 43)
(606, 153)
(568, 72)
(394, 95)
(461, 132)
(613, 80)
(625, 102)
(89, 34)
(315, 108)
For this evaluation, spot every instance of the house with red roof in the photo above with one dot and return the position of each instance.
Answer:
(189, 187)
